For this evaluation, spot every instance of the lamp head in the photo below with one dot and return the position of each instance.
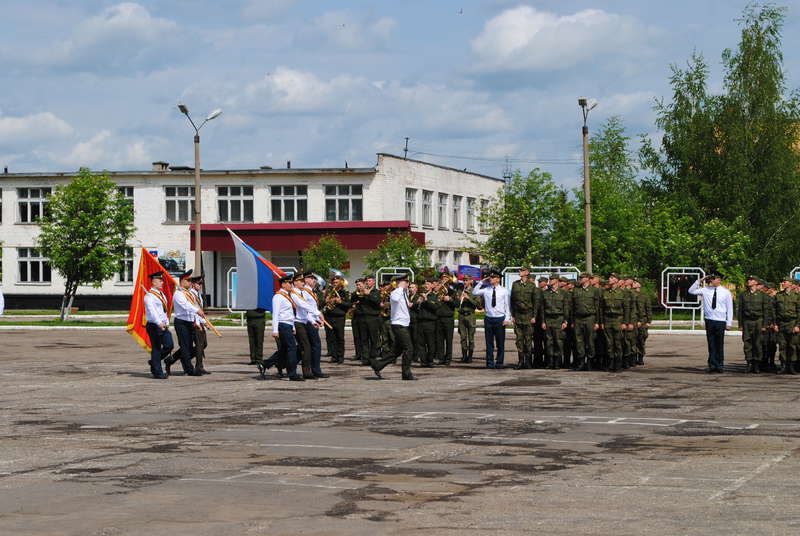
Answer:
(582, 102)
(184, 110)
(213, 114)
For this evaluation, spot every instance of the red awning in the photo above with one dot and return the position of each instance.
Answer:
(297, 236)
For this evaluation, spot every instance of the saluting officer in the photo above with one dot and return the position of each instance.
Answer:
(585, 321)
(523, 306)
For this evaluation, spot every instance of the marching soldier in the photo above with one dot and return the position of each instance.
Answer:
(255, 333)
(185, 313)
(369, 305)
(467, 305)
(645, 319)
(400, 320)
(200, 331)
(157, 326)
(585, 321)
(386, 333)
(301, 312)
(751, 310)
(314, 320)
(615, 317)
(445, 317)
(787, 325)
(337, 303)
(523, 305)
(555, 312)
(568, 348)
(413, 293)
(284, 323)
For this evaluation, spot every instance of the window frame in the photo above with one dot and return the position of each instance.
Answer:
(427, 209)
(189, 198)
(41, 202)
(228, 199)
(29, 259)
(126, 265)
(455, 212)
(295, 200)
(411, 205)
(471, 214)
(343, 201)
(442, 208)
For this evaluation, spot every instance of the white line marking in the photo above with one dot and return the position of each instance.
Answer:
(532, 439)
(739, 482)
(323, 447)
(403, 461)
(267, 482)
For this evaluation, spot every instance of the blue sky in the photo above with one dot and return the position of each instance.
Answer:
(95, 83)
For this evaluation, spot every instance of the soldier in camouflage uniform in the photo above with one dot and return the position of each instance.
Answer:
(615, 318)
(645, 318)
(538, 332)
(523, 305)
(751, 308)
(555, 311)
(467, 305)
(585, 321)
(769, 343)
(787, 325)
(600, 353)
(629, 333)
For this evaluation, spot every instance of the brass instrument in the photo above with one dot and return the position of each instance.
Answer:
(441, 291)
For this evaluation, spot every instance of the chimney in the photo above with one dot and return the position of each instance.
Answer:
(160, 166)
(288, 164)
(266, 167)
(5, 170)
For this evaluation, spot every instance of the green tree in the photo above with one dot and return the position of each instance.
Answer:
(733, 157)
(399, 249)
(519, 221)
(323, 255)
(85, 231)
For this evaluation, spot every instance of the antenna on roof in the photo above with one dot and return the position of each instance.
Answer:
(507, 171)
(405, 151)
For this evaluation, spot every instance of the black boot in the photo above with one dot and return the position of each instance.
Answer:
(528, 361)
(791, 368)
(463, 355)
(469, 355)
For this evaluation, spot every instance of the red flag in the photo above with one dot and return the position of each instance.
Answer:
(136, 318)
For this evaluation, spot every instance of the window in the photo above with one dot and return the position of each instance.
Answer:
(484, 210)
(343, 202)
(442, 211)
(33, 268)
(32, 203)
(1, 263)
(443, 257)
(457, 212)
(471, 214)
(127, 193)
(235, 203)
(1, 205)
(125, 271)
(411, 205)
(180, 203)
(427, 208)
(289, 203)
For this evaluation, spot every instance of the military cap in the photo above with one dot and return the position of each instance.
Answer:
(585, 275)
(431, 279)
(359, 280)
(554, 276)
(336, 276)
(159, 274)
(495, 273)
(401, 277)
(466, 277)
(197, 278)
(526, 268)
(603, 282)
(298, 277)
(286, 279)
(753, 278)
(612, 274)
(186, 274)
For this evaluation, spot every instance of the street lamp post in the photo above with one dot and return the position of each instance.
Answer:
(586, 107)
(198, 250)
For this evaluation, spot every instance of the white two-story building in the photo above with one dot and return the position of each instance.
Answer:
(277, 211)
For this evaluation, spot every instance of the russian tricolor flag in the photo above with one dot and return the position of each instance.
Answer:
(257, 278)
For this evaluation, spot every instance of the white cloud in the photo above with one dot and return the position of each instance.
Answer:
(264, 9)
(108, 151)
(33, 128)
(289, 90)
(526, 39)
(345, 30)
(124, 36)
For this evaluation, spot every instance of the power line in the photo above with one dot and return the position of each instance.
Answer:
(555, 161)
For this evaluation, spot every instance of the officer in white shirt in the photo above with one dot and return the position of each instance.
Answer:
(200, 329)
(498, 316)
(185, 313)
(313, 323)
(304, 312)
(283, 330)
(400, 319)
(718, 314)
(155, 310)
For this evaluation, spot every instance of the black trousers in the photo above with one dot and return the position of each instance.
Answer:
(185, 332)
(402, 346)
(303, 348)
(715, 335)
(336, 334)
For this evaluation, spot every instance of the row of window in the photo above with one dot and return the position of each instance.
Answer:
(456, 213)
(34, 268)
(343, 202)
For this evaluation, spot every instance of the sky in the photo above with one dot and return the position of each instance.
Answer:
(91, 83)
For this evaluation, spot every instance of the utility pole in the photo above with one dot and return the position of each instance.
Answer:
(586, 107)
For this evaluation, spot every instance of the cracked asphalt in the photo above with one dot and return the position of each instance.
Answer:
(92, 446)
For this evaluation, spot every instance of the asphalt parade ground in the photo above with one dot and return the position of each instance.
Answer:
(90, 445)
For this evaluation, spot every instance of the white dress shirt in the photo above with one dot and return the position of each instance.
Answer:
(314, 313)
(154, 308)
(282, 312)
(502, 307)
(183, 306)
(199, 299)
(399, 304)
(724, 310)
(2, 303)
(303, 308)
